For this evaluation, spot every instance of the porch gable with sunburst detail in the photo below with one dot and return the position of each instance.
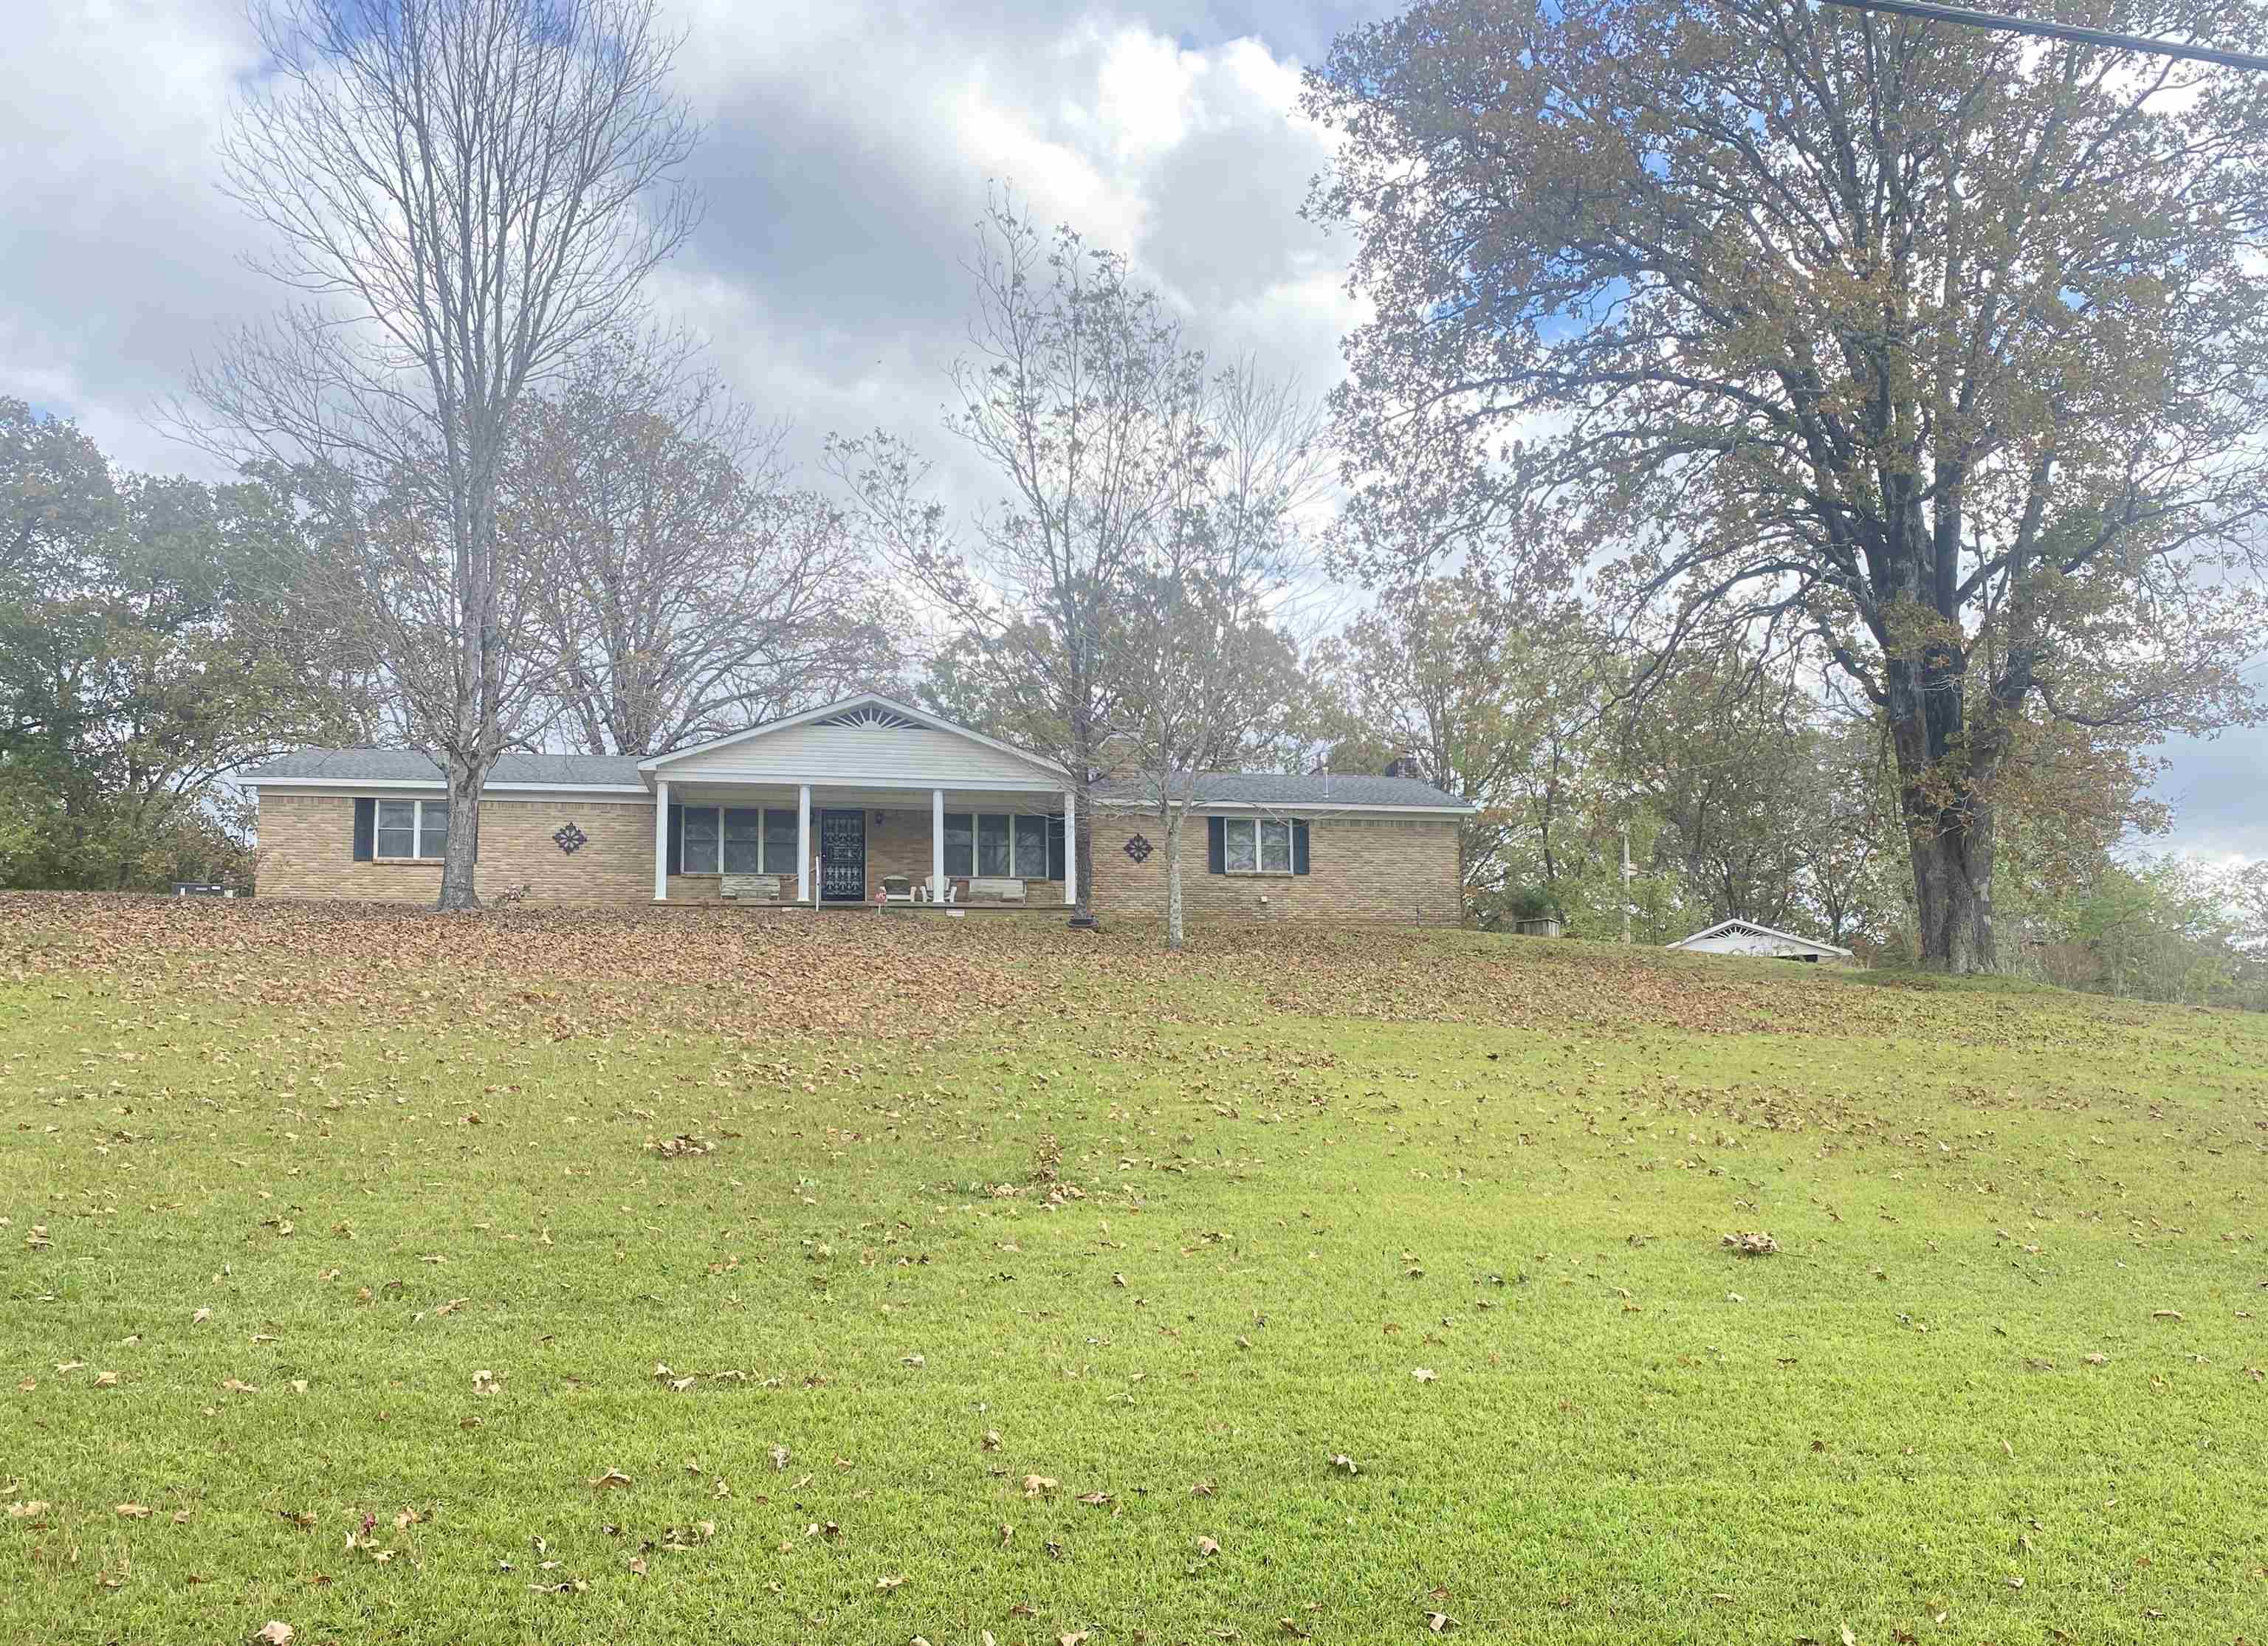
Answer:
(871, 715)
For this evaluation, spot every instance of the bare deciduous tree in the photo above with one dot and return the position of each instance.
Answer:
(1202, 663)
(1081, 397)
(467, 192)
(684, 589)
(1929, 348)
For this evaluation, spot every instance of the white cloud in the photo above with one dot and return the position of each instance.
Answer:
(846, 160)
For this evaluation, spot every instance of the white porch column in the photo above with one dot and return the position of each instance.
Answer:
(802, 844)
(937, 843)
(1071, 848)
(661, 842)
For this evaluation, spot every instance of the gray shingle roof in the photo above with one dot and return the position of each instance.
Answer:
(1284, 789)
(352, 765)
(348, 767)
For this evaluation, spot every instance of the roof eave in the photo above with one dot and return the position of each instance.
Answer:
(335, 781)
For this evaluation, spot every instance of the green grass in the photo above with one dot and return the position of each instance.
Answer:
(1156, 1224)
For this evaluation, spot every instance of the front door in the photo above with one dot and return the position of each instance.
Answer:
(843, 856)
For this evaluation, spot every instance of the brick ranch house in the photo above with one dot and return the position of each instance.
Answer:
(862, 801)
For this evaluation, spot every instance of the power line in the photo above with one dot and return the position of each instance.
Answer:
(1928, 11)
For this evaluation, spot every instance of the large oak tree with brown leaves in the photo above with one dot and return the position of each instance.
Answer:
(1934, 350)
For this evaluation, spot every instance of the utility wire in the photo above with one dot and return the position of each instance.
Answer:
(1930, 11)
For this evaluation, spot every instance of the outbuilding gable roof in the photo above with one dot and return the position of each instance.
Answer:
(1753, 929)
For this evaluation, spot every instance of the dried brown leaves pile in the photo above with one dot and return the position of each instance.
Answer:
(576, 970)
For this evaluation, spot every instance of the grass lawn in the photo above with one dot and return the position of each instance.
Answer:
(1025, 1283)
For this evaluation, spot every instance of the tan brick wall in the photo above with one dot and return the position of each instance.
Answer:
(306, 849)
(1360, 869)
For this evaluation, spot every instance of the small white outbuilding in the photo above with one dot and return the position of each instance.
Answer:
(1746, 937)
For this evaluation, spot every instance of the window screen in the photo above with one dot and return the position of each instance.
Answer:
(397, 828)
(1032, 847)
(780, 847)
(701, 839)
(1276, 848)
(991, 845)
(1241, 857)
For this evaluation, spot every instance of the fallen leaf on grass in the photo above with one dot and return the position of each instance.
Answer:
(888, 1584)
(612, 1477)
(1343, 1464)
(2166, 1314)
(1039, 1485)
(1207, 1546)
(1424, 1374)
(132, 1511)
(1439, 1622)
(237, 1386)
(273, 1634)
(201, 1316)
(106, 1379)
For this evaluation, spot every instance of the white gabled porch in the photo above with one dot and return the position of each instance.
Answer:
(866, 801)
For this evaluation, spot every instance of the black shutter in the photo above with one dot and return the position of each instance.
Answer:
(1299, 845)
(1216, 845)
(1055, 848)
(365, 830)
(677, 839)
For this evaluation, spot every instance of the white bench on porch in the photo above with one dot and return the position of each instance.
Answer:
(749, 888)
(994, 889)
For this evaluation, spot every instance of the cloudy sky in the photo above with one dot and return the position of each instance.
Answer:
(848, 148)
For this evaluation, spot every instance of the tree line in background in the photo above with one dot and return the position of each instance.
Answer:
(1805, 457)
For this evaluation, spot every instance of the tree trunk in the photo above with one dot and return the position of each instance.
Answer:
(1082, 761)
(1941, 762)
(1173, 879)
(458, 891)
(1952, 856)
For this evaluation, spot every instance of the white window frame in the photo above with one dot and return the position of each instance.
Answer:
(1016, 872)
(1259, 853)
(763, 839)
(416, 829)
